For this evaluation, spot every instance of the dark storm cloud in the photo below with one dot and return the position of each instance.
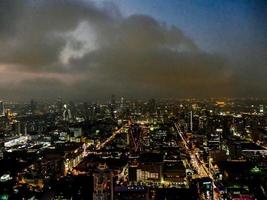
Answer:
(29, 29)
(78, 50)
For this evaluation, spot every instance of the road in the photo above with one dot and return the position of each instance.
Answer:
(196, 162)
(112, 137)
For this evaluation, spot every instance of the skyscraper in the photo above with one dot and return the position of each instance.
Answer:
(66, 113)
(261, 108)
(191, 121)
(33, 106)
(2, 109)
(214, 139)
(122, 103)
(113, 101)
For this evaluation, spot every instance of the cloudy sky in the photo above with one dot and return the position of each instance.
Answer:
(83, 50)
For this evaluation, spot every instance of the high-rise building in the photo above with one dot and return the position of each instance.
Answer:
(113, 101)
(191, 121)
(103, 183)
(122, 103)
(16, 126)
(23, 128)
(2, 109)
(214, 139)
(205, 186)
(66, 113)
(59, 105)
(261, 108)
(1, 150)
(112, 106)
(33, 106)
(72, 108)
(151, 106)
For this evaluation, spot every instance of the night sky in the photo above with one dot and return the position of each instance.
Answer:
(86, 50)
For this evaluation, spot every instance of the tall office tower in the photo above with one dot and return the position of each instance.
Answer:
(59, 105)
(103, 183)
(2, 109)
(33, 106)
(151, 106)
(73, 109)
(191, 121)
(132, 170)
(112, 106)
(85, 110)
(205, 186)
(23, 128)
(261, 108)
(16, 126)
(122, 103)
(2, 150)
(67, 113)
(113, 101)
(214, 139)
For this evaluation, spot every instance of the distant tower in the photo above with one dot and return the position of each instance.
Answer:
(24, 128)
(17, 127)
(59, 105)
(103, 183)
(214, 139)
(122, 103)
(33, 106)
(152, 106)
(112, 105)
(73, 110)
(132, 170)
(261, 108)
(113, 101)
(2, 150)
(66, 113)
(2, 109)
(191, 121)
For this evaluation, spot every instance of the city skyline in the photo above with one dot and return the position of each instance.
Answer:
(91, 49)
(133, 99)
